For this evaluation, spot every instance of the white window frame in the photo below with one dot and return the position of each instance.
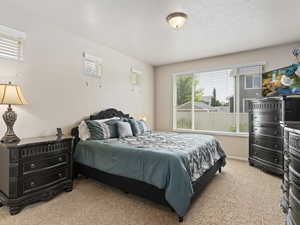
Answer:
(236, 98)
(252, 88)
(89, 58)
(244, 101)
(13, 35)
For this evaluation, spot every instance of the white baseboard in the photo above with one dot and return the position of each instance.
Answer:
(237, 158)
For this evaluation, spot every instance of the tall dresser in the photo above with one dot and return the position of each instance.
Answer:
(266, 133)
(291, 182)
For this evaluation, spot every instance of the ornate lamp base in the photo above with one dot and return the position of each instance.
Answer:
(10, 118)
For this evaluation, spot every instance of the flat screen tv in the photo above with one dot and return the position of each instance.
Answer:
(283, 81)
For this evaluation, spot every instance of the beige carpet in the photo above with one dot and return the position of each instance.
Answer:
(241, 195)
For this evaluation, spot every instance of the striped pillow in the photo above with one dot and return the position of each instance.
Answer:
(102, 130)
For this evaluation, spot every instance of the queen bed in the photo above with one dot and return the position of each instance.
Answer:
(166, 167)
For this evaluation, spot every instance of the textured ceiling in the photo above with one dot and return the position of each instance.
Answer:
(138, 27)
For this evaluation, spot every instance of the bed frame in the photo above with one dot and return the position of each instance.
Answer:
(133, 186)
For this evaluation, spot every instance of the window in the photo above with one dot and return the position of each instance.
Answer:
(213, 101)
(11, 43)
(92, 65)
(253, 81)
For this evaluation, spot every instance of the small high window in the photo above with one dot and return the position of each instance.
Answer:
(11, 43)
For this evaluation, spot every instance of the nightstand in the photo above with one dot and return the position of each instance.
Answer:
(35, 169)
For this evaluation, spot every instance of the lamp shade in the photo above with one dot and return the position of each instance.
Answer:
(11, 94)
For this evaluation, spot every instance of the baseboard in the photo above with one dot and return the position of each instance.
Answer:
(237, 158)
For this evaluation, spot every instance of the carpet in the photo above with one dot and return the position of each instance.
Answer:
(240, 195)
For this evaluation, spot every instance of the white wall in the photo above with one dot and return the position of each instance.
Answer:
(52, 81)
(275, 57)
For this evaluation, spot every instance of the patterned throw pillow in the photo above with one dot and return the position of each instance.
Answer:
(102, 130)
(124, 129)
(137, 127)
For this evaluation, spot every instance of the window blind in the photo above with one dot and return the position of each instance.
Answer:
(11, 43)
(92, 65)
(10, 48)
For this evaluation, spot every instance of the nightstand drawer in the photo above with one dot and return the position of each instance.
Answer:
(45, 149)
(42, 180)
(45, 164)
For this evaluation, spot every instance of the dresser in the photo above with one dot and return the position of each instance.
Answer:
(35, 169)
(266, 133)
(291, 183)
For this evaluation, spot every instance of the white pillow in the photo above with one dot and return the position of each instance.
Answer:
(84, 132)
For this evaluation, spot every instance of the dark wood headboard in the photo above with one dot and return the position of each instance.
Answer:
(108, 113)
(104, 114)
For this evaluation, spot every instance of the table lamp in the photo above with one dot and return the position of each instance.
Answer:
(10, 94)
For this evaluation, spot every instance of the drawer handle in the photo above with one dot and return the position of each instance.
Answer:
(32, 166)
(60, 175)
(276, 160)
(32, 184)
(275, 132)
(275, 146)
(60, 159)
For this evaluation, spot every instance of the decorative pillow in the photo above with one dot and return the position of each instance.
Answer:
(124, 129)
(145, 126)
(102, 130)
(137, 127)
(84, 132)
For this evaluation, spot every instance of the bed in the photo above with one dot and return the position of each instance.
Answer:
(166, 167)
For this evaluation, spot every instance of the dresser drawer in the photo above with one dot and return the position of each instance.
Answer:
(273, 157)
(271, 130)
(45, 163)
(272, 106)
(294, 141)
(269, 117)
(295, 190)
(295, 160)
(42, 180)
(294, 204)
(294, 176)
(269, 142)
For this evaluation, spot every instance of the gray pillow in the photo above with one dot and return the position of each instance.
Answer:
(124, 129)
(104, 130)
(145, 126)
(137, 127)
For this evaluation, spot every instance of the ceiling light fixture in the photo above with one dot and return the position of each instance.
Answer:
(177, 19)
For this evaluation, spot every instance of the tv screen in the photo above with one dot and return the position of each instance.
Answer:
(283, 81)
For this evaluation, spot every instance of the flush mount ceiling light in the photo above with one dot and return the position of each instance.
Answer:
(177, 19)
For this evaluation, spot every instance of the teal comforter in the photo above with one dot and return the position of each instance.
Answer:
(167, 160)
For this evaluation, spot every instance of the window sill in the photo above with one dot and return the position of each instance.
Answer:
(220, 133)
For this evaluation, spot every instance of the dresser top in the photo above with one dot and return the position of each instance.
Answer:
(37, 140)
(293, 129)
